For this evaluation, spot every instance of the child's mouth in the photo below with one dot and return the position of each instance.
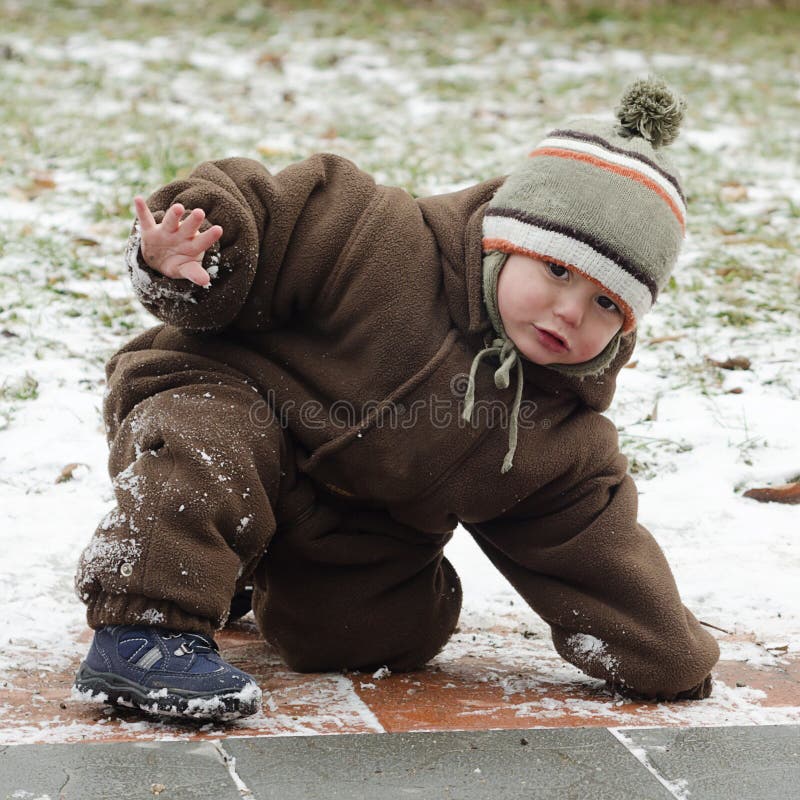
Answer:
(551, 341)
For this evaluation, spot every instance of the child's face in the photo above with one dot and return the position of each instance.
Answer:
(533, 296)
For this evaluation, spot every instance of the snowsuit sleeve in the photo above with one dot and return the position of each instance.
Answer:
(282, 236)
(576, 553)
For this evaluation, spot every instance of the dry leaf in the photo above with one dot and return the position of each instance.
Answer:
(43, 180)
(789, 493)
(40, 182)
(659, 339)
(738, 362)
(739, 269)
(631, 365)
(267, 150)
(107, 276)
(733, 193)
(273, 59)
(66, 473)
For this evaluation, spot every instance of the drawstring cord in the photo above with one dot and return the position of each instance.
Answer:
(508, 355)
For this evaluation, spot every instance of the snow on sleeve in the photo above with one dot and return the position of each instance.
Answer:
(243, 523)
(592, 650)
(128, 482)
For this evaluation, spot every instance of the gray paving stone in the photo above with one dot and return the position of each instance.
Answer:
(752, 763)
(122, 771)
(579, 763)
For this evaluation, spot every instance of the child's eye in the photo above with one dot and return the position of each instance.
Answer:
(556, 270)
(607, 303)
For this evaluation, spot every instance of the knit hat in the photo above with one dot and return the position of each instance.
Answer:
(601, 199)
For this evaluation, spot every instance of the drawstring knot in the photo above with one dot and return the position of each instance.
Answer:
(508, 355)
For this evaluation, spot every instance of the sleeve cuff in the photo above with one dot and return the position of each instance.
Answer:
(179, 301)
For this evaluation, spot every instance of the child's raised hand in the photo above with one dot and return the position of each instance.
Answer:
(175, 248)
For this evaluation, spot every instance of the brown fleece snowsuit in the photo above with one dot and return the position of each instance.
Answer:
(298, 423)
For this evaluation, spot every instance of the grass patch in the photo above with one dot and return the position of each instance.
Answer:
(24, 388)
(711, 28)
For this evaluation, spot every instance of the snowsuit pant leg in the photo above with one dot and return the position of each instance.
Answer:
(348, 587)
(195, 475)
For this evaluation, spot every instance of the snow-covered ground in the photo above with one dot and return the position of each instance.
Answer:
(89, 120)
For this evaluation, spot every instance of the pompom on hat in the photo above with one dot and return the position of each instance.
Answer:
(602, 199)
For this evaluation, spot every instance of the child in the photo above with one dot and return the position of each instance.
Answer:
(300, 422)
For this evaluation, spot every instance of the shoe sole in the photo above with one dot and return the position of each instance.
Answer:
(106, 687)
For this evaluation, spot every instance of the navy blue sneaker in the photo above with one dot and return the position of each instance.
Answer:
(165, 672)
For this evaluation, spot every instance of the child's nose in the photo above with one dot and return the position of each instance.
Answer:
(570, 309)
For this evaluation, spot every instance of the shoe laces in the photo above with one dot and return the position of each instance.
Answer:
(193, 642)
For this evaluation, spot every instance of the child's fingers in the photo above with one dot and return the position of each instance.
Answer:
(195, 273)
(204, 240)
(172, 219)
(146, 221)
(192, 223)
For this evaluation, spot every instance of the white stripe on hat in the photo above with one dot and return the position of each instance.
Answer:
(577, 254)
(592, 149)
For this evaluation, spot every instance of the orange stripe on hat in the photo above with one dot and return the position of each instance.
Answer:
(624, 171)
